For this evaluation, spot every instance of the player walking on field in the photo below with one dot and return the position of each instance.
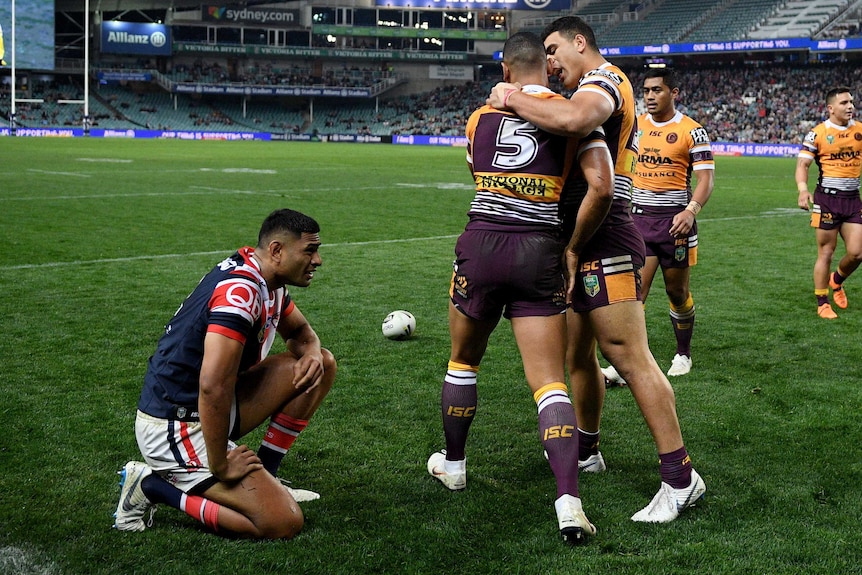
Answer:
(508, 262)
(836, 146)
(673, 148)
(604, 263)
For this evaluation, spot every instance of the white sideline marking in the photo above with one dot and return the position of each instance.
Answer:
(22, 562)
(239, 171)
(213, 253)
(440, 186)
(778, 212)
(204, 191)
(50, 173)
(106, 160)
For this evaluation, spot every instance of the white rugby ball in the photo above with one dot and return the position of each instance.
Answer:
(399, 324)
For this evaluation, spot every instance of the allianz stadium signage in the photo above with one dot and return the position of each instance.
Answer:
(244, 90)
(135, 38)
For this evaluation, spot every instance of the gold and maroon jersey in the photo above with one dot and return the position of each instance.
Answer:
(621, 128)
(837, 150)
(519, 169)
(669, 153)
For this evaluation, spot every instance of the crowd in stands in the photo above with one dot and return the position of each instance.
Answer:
(775, 103)
(758, 104)
(761, 104)
(268, 74)
(443, 111)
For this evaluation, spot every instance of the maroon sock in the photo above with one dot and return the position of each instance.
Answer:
(458, 405)
(682, 320)
(557, 428)
(675, 468)
(837, 278)
(588, 443)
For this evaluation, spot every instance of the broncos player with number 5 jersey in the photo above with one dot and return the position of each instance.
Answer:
(604, 259)
(508, 262)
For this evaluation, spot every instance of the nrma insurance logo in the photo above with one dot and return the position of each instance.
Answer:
(216, 12)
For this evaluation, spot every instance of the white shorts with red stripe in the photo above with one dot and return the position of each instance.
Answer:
(174, 449)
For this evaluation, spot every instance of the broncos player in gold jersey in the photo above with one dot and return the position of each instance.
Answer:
(604, 260)
(836, 146)
(673, 148)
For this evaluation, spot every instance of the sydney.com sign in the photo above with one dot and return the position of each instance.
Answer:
(135, 38)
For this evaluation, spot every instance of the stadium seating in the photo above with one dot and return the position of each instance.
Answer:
(732, 20)
(736, 104)
(601, 7)
(671, 21)
(799, 18)
(758, 104)
(846, 25)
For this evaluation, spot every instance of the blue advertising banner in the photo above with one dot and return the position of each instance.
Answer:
(718, 148)
(836, 45)
(244, 90)
(123, 76)
(136, 38)
(180, 135)
(420, 140)
(757, 150)
(770, 45)
(477, 4)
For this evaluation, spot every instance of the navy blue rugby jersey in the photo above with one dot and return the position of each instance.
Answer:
(231, 300)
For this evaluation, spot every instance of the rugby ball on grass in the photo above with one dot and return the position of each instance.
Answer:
(399, 324)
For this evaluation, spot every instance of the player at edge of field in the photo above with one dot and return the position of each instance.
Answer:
(508, 262)
(212, 381)
(2, 48)
(836, 146)
(604, 278)
(673, 147)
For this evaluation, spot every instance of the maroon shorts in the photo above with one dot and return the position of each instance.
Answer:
(609, 268)
(832, 209)
(518, 274)
(671, 252)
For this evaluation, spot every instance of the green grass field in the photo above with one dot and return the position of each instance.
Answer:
(103, 239)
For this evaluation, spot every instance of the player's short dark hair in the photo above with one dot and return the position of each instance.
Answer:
(831, 94)
(569, 27)
(286, 220)
(524, 51)
(667, 75)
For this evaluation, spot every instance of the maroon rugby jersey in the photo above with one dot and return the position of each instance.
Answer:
(519, 169)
